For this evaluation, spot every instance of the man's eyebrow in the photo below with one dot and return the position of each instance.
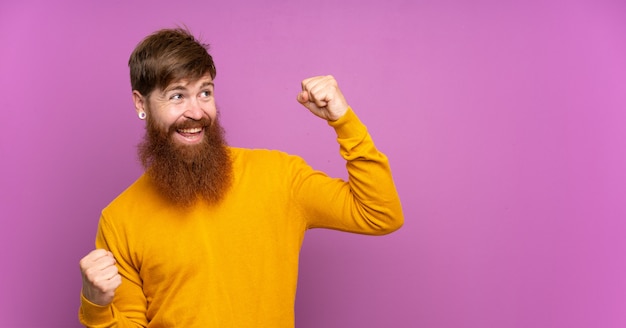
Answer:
(183, 87)
(175, 87)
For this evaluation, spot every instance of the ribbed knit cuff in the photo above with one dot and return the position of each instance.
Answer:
(348, 126)
(93, 314)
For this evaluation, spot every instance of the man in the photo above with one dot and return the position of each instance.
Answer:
(210, 235)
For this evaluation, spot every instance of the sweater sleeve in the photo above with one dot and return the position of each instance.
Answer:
(367, 203)
(128, 308)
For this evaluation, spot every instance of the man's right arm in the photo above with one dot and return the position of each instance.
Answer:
(111, 296)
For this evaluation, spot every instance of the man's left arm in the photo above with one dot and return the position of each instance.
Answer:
(368, 202)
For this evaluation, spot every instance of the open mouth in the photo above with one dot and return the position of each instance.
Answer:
(191, 134)
(189, 131)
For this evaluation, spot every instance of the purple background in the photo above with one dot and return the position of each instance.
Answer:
(504, 123)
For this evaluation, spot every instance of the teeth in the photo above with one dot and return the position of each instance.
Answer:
(193, 130)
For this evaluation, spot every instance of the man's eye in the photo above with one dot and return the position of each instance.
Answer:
(177, 96)
(206, 93)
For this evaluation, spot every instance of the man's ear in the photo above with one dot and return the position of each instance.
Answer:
(140, 102)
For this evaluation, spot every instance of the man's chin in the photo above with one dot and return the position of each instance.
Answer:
(184, 147)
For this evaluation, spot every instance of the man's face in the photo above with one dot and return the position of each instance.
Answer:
(184, 150)
(185, 109)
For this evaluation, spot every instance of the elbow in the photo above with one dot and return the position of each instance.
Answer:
(392, 219)
(395, 217)
(392, 225)
(398, 222)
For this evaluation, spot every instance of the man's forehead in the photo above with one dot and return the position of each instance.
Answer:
(186, 83)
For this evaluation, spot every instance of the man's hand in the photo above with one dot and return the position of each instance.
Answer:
(100, 277)
(321, 95)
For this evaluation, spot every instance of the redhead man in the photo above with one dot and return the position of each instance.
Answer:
(209, 235)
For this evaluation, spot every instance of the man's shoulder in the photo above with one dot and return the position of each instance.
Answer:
(138, 192)
(139, 185)
(265, 160)
(254, 154)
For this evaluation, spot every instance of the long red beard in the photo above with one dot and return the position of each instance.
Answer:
(185, 173)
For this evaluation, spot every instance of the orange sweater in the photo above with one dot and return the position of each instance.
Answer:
(235, 264)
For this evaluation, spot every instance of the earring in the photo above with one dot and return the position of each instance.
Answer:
(142, 115)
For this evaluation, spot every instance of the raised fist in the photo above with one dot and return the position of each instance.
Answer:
(100, 277)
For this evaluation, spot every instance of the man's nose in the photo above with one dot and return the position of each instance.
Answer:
(194, 110)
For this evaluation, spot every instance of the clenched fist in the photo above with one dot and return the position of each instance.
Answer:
(321, 95)
(100, 277)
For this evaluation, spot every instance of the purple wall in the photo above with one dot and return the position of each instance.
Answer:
(505, 123)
